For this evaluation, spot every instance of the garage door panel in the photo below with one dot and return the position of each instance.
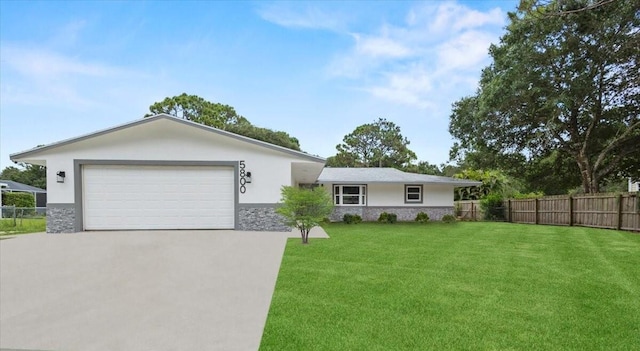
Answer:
(158, 197)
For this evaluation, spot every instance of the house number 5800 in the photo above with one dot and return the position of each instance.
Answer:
(243, 180)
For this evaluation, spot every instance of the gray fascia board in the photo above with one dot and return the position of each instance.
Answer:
(34, 151)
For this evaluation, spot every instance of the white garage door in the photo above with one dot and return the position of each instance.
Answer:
(158, 197)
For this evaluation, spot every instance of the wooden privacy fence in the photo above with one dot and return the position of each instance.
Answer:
(613, 211)
(469, 210)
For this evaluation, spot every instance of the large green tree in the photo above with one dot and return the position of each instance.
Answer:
(199, 110)
(561, 81)
(377, 144)
(33, 175)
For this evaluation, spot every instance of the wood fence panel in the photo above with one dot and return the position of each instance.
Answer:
(470, 210)
(554, 210)
(630, 218)
(614, 211)
(523, 210)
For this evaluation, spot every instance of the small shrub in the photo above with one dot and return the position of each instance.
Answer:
(457, 210)
(493, 208)
(388, 217)
(448, 218)
(349, 218)
(422, 217)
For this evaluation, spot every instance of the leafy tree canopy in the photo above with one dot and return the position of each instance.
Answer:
(225, 117)
(33, 175)
(560, 86)
(377, 144)
(493, 182)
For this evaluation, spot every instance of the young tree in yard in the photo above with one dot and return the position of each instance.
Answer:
(568, 83)
(377, 144)
(305, 208)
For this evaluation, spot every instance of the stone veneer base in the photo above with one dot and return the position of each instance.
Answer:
(61, 218)
(261, 218)
(405, 213)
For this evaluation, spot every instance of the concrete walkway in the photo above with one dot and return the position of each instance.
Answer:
(142, 290)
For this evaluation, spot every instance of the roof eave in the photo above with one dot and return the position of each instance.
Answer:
(23, 155)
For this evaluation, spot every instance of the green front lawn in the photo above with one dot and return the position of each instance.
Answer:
(21, 226)
(464, 286)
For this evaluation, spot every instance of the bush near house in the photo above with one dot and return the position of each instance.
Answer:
(388, 218)
(448, 218)
(349, 218)
(422, 217)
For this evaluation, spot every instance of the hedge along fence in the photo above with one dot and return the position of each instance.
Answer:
(612, 211)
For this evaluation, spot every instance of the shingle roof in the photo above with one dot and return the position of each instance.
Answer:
(15, 186)
(386, 175)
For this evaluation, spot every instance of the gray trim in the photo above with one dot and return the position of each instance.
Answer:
(421, 194)
(333, 193)
(259, 205)
(78, 180)
(61, 205)
(300, 154)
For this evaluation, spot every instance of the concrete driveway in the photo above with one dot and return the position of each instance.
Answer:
(155, 290)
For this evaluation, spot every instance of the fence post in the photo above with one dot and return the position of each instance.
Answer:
(509, 210)
(537, 206)
(570, 210)
(473, 213)
(619, 224)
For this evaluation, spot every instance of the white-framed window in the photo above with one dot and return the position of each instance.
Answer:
(413, 194)
(350, 195)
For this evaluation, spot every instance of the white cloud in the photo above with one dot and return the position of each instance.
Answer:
(311, 17)
(380, 47)
(40, 63)
(37, 76)
(409, 86)
(465, 51)
(415, 62)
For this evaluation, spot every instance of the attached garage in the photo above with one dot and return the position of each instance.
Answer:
(118, 197)
(164, 173)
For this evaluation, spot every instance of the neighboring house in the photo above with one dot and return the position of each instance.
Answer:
(633, 186)
(40, 195)
(162, 172)
(370, 191)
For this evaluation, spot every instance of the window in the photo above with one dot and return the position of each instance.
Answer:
(350, 195)
(413, 194)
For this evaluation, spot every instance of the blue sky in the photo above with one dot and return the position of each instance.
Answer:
(313, 69)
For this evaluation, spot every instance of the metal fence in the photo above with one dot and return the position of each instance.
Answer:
(22, 212)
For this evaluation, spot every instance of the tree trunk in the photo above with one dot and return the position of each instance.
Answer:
(589, 179)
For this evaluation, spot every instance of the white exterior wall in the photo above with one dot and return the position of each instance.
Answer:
(167, 141)
(392, 194)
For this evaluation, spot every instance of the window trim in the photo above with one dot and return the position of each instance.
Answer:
(362, 195)
(406, 193)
